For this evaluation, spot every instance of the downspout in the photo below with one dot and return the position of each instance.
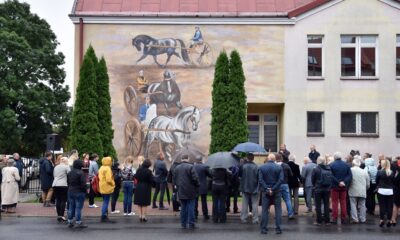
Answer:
(80, 41)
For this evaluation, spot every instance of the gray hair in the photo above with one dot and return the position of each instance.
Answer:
(321, 160)
(292, 157)
(337, 155)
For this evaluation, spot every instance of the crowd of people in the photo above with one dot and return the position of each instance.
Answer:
(328, 181)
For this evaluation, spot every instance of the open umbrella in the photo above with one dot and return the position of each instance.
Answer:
(191, 150)
(248, 147)
(222, 160)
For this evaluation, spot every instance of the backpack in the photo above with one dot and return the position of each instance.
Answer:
(127, 174)
(95, 184)
(326, 178)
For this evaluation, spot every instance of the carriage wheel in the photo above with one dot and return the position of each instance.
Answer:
(131, 100)
(133, 137)
(201, 55)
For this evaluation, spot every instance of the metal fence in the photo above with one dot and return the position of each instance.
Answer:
(30, 179)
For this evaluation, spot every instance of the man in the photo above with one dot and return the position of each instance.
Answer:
(271, 178)
(294, 183)
(233, 190)
(314, 154)
(372, 170)
(19, 164)
(287, 173)
(203, 171)
(76, 194)
(249, 186)
(46, 178)
(284, 153)
(341, 179)
(322, 181)
(142, 82)
(93, 171)
(357, 191)
(160, 178)
(306, 174)
(187, 182)
(143, 109)
(197, 38)
(170, 179)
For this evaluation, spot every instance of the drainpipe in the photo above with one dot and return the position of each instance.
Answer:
(80, 41)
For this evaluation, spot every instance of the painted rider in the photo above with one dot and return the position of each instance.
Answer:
(147, 112)
(197, 38)
(142, 82)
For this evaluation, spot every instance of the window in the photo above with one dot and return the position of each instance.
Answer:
(263, 129)
(359, 124)
(315, 44)
(359, 57)
(398, 56)
(315, 124)
(398, 124)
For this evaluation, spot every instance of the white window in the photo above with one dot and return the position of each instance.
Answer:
(359, 56)
(264, 130)
(315, 124)
(315, 56)
(359, 124)
(398, 56)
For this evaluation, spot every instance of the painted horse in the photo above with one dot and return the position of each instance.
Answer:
(154, 47)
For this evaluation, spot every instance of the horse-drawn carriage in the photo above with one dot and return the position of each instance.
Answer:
(170, 131)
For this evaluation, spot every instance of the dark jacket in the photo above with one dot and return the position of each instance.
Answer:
(46, 174)
(170, 177)
(383, 180)
(117, 176)
(203, 171)
(341, 172)
(295, 179)
(220, 177)
(248, 174)
(76, 178)
(314, 156)
(20, 166)
(316, 178)
(270, 176)
(186, 180)
(160, 171)
(285, 155)
(287, 173)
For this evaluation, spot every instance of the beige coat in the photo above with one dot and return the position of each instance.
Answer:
(359, 183)
(9, 186)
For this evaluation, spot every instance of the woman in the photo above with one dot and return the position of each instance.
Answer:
(9, 187)
(384, 181)
(118, 182)
(76, 194)
(74, 155)
(128, 172)
(60, 187)
(106, 185)
(220, 184)
(144, 179)
(396, 192)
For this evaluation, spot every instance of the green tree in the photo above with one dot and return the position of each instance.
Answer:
(104, 109)
(33, 98)
(85, 133)
(219, 113)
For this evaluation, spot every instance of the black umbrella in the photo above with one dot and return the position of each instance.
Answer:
(249, 147)
(222, 160)
(191, 150)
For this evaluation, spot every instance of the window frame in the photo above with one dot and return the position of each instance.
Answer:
(397, 46)
(358, 45)
(358, 126)
(261, 123)
(321, 46)
(317, 134)
(397, 117)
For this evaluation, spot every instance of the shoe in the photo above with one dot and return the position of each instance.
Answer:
(192, 227)
(162, 208)
(81, 225)
(183, 227)
(154, 206)
(354, 221)
(61, 219)
(327, 224)
(388, 224)
(106, 220)
(206, 217)
(125, 214)
(115, 212)
(93, 206)
(381, 223)
(278, 231)
(144, 219)
(334, 221)
(317, 224)
(264, 232)
(291, 217)
(236, 211)
(394, 224)
(244, 221)
(131, 214)
(344, 221)
(256, 222)
(70, 224)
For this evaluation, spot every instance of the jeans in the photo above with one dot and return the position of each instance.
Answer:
(61, 195)
(114, 198)
(266, 202)
(104, 207)
(339, 196)
(294, 193)
(204, 206)
(246, 199)
(75, 205)
(127, 188)
(308, 192)
(385, 206)
(322, 197)
(187, 212)
(358, 210)
(219, 198)
(370, 200)
(286, 197)
(160, 188)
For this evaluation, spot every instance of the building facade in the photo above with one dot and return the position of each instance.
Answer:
(317, 71)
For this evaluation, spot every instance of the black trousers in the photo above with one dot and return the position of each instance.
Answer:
(233, 192)
(370, 200)
(160, 188)
(219, 198)
(114, 198)
(322, 197)
(92, 195)
(204, 206)
(61, 196)
(385, 206)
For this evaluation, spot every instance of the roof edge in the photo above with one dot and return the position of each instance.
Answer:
(303, 9)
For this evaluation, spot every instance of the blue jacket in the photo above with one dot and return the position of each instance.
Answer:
(142, 112)
(341, 172)
(197, 36)
(270, 176)
(203, 171)
(161, 172)
(20, 166)
(314, 156)
(46, 174)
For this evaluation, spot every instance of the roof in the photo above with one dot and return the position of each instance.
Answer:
(194, 8)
